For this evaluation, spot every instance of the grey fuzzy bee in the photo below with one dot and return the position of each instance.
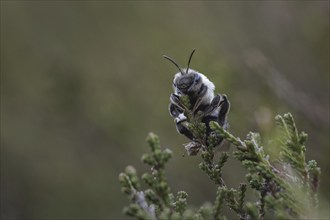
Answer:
(200, 90)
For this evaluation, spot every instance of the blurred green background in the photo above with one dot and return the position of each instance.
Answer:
(83, 82)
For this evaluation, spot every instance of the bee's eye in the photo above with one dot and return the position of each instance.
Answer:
(197, 78)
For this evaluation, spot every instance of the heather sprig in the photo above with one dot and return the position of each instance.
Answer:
(286, 189)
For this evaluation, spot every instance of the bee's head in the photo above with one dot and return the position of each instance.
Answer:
(187, 80)
(187, 83)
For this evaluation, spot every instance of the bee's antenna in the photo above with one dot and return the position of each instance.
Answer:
(170, 59)
(192, 53)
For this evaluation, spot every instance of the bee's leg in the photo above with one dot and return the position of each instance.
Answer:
(197, 104)
(179, 119)
(175, 100)
(174, 110)
(183, 130)
(225, 106)
(200, 95)
(217, 111)
(216, 103)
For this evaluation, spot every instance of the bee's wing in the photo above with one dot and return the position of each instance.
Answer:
(216, 103)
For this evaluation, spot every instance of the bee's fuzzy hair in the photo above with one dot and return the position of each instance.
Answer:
(210, 91)
(205, 80)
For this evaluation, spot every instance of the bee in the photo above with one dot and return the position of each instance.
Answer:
(200, 91)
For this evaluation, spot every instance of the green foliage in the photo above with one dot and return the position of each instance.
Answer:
(285, 191)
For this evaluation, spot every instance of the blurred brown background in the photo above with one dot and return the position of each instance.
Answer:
(83, 82)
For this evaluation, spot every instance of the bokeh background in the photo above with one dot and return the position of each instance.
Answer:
(83, 82)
